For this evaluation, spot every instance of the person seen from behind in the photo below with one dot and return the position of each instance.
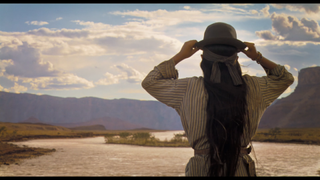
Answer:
(220, 112)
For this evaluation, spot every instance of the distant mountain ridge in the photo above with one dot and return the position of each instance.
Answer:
(301, 109)
(32, 120)
(93, 127)
(108, 122)
(127, 113)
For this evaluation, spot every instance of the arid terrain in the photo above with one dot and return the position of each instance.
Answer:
(11, 132)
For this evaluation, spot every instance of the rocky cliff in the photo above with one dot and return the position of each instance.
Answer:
(301, 109)
(56, 110)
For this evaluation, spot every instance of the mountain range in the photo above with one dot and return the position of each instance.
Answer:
(114, 114)
(301, 109)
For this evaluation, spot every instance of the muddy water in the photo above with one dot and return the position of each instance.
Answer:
(92, 157)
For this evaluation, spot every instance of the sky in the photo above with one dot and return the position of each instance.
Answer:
(106, 50)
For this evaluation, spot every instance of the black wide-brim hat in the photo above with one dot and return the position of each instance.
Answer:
(221, 33)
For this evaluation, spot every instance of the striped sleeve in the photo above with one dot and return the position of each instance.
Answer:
(275, 83)
(163, 84)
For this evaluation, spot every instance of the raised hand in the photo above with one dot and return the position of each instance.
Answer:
(186, 51)
(251, 52)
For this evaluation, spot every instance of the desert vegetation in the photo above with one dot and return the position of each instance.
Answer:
(146, 139)
(10, 132)
(294, 135)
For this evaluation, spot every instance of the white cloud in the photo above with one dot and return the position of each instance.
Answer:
(265, 11)
(288, 90)
(162, 18)
(132, 75)
(242, 60)
(229, 9)
(3, 64)
(126, 73)
(295, 78)
(17, 88)
(295, 69)
(287, 66)
(252, 70)
(65, 81)
(143, 36)
(147, 38)
(254, 11)
(69, 33)
(93, 25)
(308, 8)
(186, 7)
(290, 28)
(109, 79)
(37, 23)
(131, 45)
(25, 63)
(59, 18)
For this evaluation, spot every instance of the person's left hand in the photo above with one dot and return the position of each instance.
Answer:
(186, 51)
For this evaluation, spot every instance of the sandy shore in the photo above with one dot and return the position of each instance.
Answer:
(12, 154)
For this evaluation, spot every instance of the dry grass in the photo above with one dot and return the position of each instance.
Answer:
(10, 132)
(150, 143)
(146, 139)
(10, 153)
(25, 131)
(294, 135)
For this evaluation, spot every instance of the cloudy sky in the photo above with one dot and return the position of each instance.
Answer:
(105, 50)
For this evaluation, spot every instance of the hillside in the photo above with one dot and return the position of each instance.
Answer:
(89, 128)
(108, 123)
(32, 127)
(56, 110)
(32, 120)
(301, 109)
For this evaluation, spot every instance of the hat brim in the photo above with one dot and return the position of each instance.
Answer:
(227, 41)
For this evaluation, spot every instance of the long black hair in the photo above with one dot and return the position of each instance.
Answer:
(226, 115)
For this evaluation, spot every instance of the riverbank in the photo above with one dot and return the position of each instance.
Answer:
(16, 132)
(309, 136)
(13, 154)
(295, 135)
(147, 139)
(150, 141)
(10, 154)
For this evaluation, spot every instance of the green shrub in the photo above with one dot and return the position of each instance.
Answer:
(141, 135)
(14, 133)
(109, 135)
(274, 132)
(3, 131)
(124, 134)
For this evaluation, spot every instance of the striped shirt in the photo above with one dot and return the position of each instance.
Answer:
(188, 97)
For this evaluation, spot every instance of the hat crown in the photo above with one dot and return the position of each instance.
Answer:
(220, 33)
(220, 30)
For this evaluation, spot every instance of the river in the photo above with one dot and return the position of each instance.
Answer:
(92, 157)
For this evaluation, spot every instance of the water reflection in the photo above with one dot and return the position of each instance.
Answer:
(92, 157)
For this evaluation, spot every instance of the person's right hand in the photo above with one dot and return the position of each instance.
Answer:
(251, 52)
(186, 51)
